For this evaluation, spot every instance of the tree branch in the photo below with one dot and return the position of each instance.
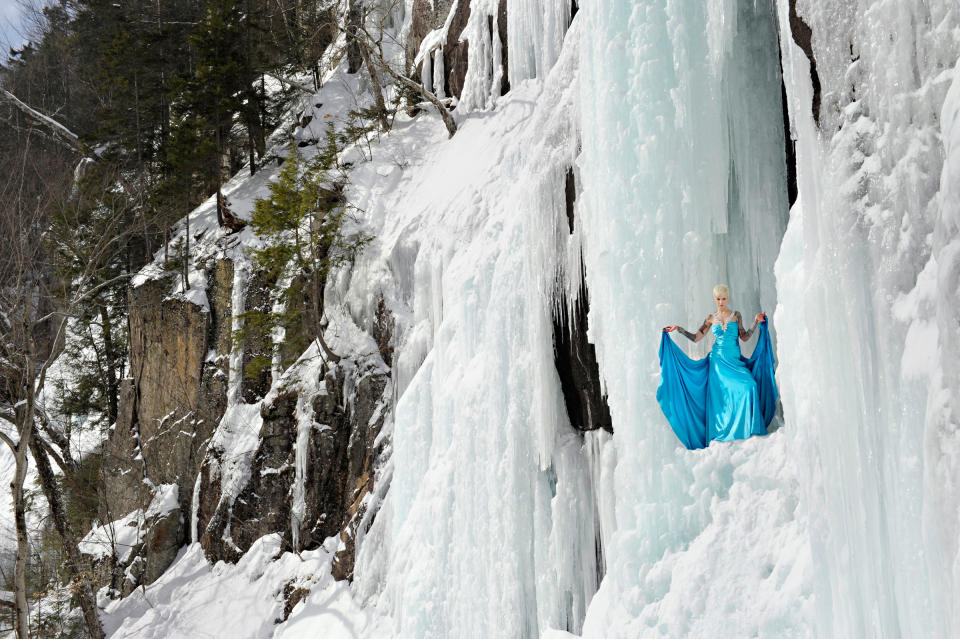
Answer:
(448, 120)
(295, 85)
(93, 291)
(58, 130)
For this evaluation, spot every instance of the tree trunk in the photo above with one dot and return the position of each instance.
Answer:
(109, 356)
(24, 417)
(354, 58)
(21, 610)
(84, 590)
(217, 163)
(377, 89)
(448, 120)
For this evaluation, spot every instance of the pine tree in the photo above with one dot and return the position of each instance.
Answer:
(301, 224)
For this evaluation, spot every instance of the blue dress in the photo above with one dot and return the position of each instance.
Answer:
(721, 397)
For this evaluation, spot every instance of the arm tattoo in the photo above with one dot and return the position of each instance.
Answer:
(700, 331)
(744, 333)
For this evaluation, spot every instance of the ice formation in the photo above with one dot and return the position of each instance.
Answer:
(834, 525)
(490, 509)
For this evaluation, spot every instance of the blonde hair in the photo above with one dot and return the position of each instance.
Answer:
(720, 289)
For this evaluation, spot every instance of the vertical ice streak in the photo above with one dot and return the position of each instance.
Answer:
(241, 274)
(195, 509)
(304, 414)
(438, 73)
(535, 31)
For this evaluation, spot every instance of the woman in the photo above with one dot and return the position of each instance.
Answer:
(723, 396)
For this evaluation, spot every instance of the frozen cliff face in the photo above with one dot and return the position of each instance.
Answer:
(843, 521)
(488, 528)
(864, 382)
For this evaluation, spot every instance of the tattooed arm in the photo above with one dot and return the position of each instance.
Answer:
(693, 337)
(746, 334)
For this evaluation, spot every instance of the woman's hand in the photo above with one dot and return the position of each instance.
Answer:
(668, 329)
(761, 317)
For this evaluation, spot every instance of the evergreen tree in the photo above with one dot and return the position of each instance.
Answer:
(301, 224)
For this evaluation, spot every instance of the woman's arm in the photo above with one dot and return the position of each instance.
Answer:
(747, 334)
(701, 332)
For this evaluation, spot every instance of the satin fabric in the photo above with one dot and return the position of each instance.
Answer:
(721, 397)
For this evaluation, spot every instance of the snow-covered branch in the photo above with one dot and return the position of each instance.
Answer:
(59, 131)
(295, 85)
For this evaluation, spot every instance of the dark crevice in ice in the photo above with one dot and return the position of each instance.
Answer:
(802, 34)
(570, 193)
(574, 356)
(789, 148)
(576, 361)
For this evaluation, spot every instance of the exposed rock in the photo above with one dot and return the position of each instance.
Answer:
(347, 416)
(383, 329)
(574, 356)
(428, 16)
(229, 527)
(161, 543)
(502, 31)
(256, 379)
(292, 595)
(802, 34)
(168, 410)
(455, 52)
(173, 384)
(576, 361)
(121, 488)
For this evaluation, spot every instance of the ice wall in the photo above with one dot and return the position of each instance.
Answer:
(684, 180)
(535, 35)
(865, 382)
(488, 528)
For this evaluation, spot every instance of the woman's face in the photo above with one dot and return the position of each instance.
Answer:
(721, 301)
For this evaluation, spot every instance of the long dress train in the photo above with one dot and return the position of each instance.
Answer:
(721, 397)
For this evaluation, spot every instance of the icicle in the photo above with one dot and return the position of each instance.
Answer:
(304, 415)
(241, 274)
(670, 151)
(535, 30)
(195, 509)
(438, 73)
(426, 71)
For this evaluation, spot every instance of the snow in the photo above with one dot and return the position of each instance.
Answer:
(861, 388)
(120, 537)
(244, 601)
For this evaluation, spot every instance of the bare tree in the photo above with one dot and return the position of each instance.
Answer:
(366, 30)
(34, 308)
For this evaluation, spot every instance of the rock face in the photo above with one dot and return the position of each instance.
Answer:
(428, 16)
(576, 361)
(574, 356)
(174, 401)
(168, 410)
(344, 419)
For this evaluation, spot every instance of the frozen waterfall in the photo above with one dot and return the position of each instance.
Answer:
(500, 519)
